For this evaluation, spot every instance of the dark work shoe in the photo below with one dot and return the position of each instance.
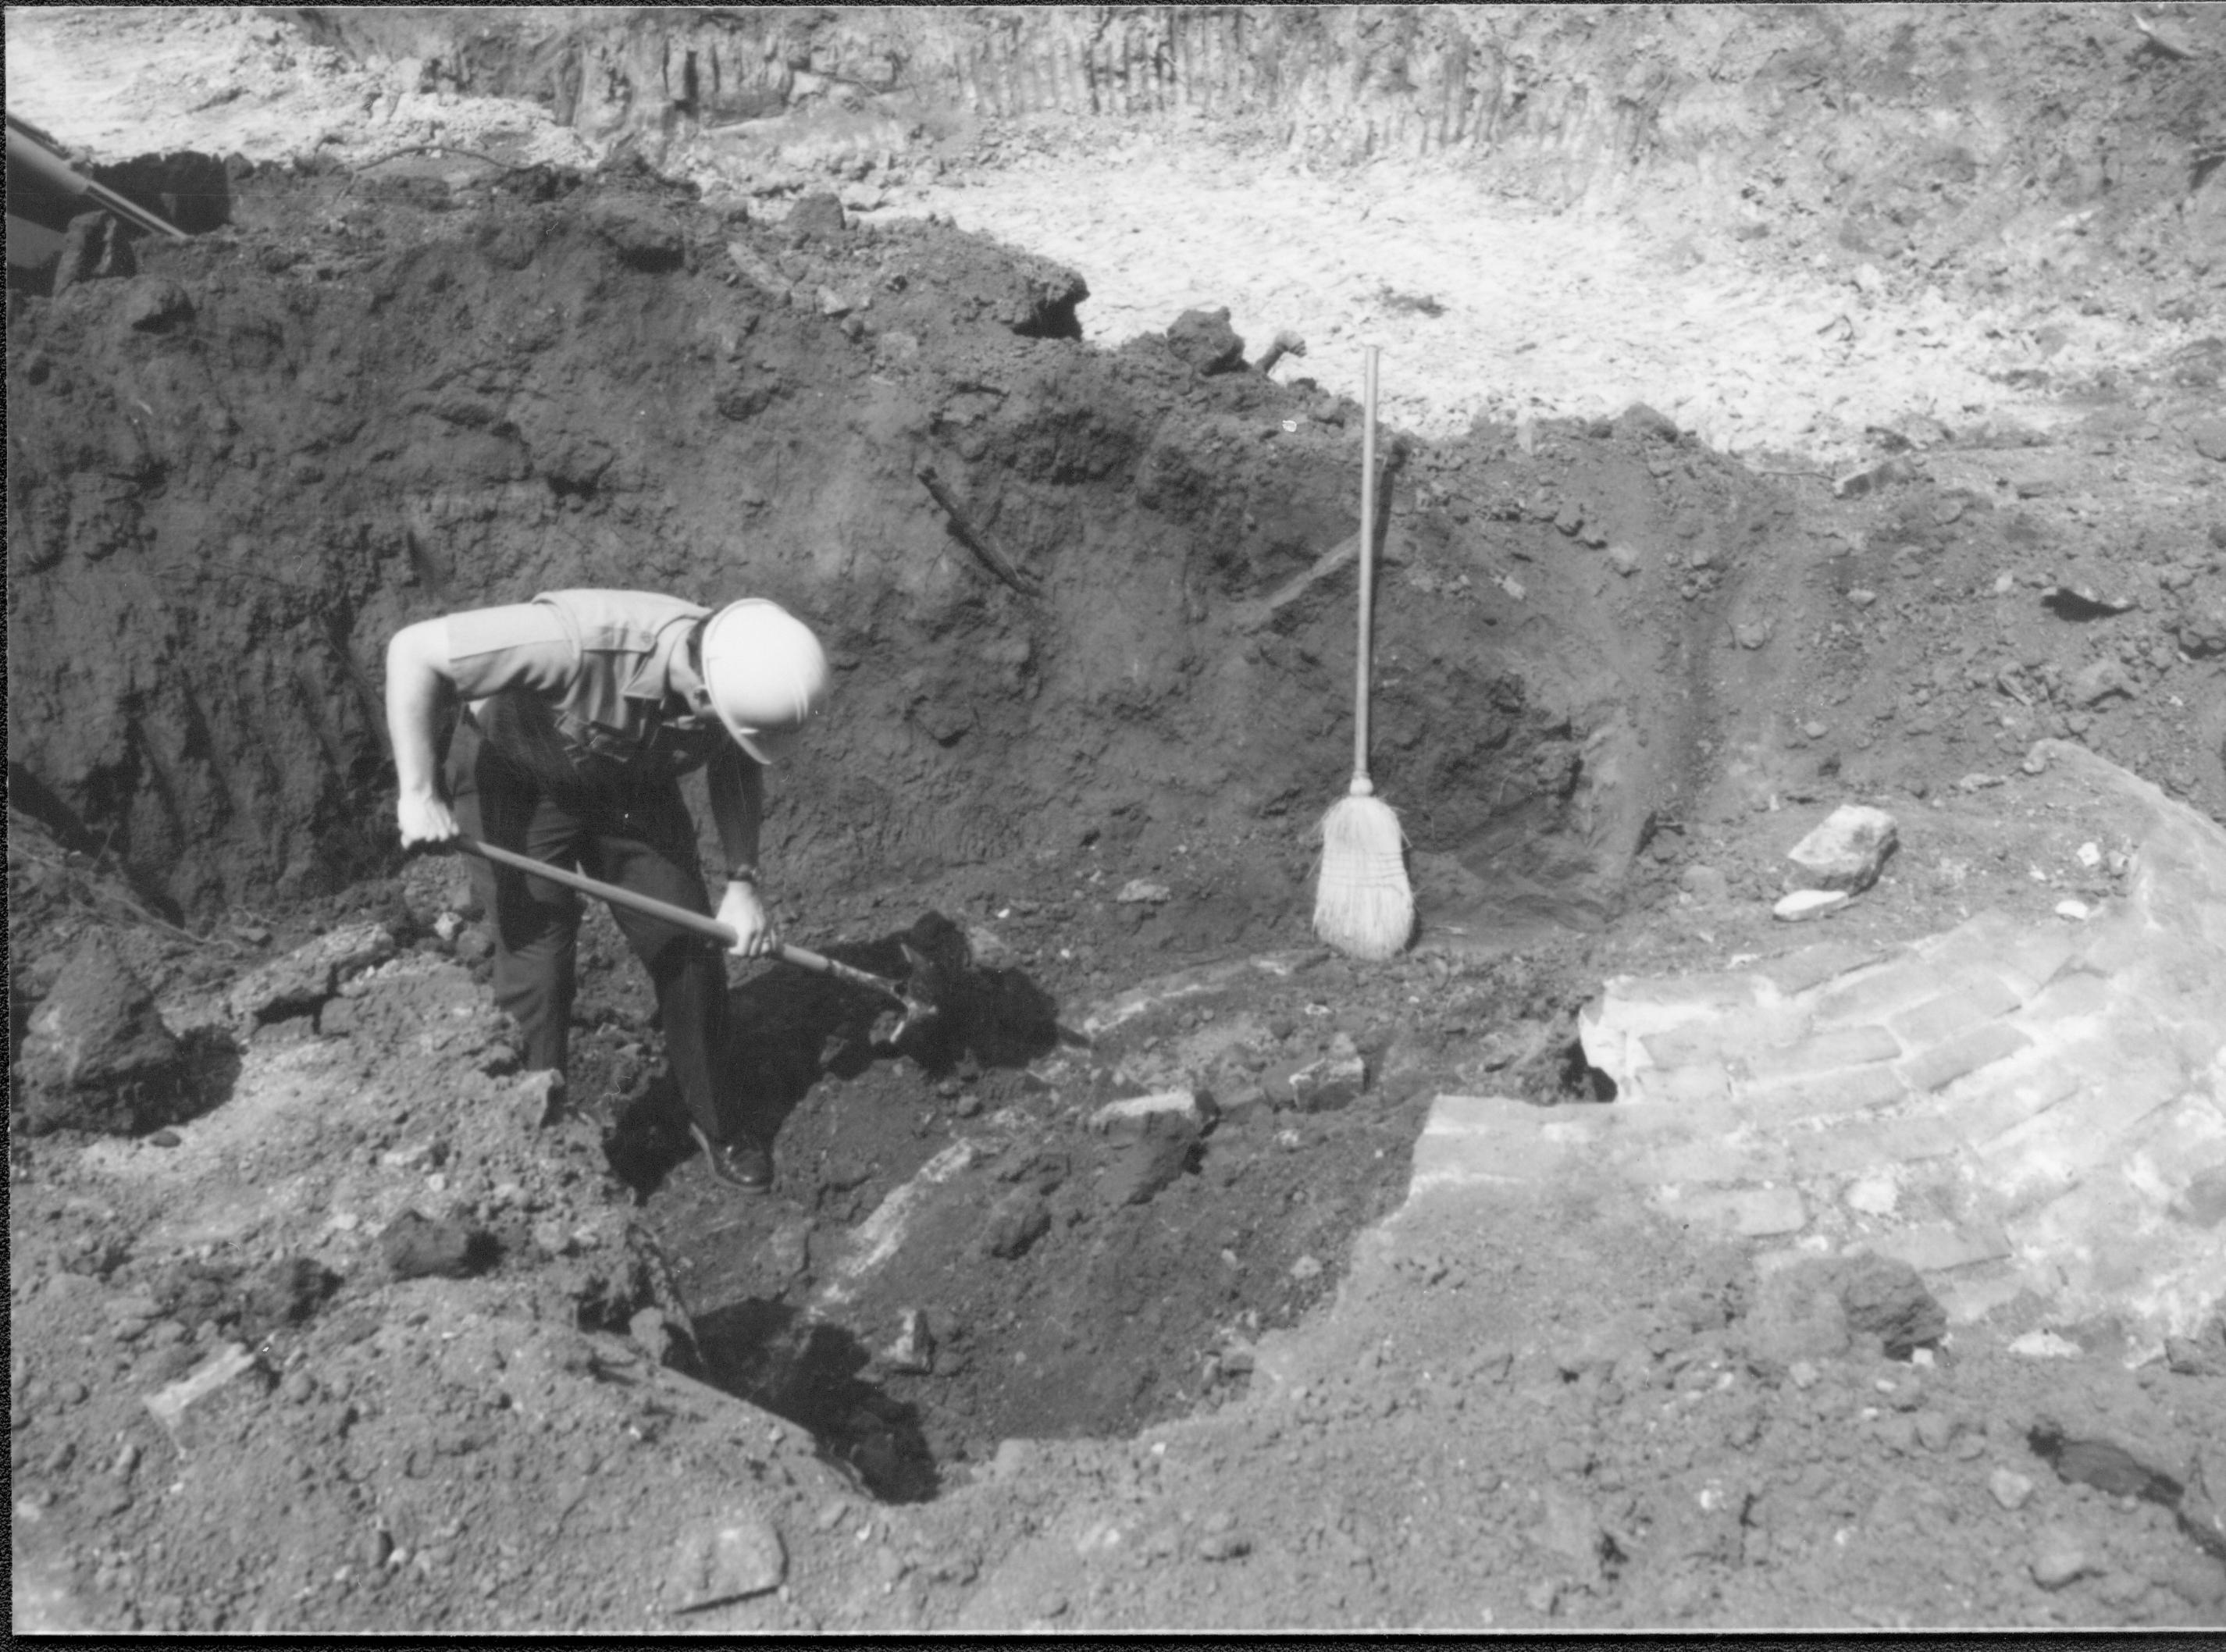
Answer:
(745, 1162)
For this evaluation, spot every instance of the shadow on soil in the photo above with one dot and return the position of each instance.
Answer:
(809, 1372)
(791, 1029)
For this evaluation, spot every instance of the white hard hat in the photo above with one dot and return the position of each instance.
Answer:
(765, 674)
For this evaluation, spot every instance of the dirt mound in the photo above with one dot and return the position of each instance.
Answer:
(437, 392)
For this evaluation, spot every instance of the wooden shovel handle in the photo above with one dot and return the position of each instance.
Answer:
(1361, 786)
(802, 958)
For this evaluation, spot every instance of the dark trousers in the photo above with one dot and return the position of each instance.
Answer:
(640, 839)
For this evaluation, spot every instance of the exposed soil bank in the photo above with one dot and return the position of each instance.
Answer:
(238, 472)
(1959, 135)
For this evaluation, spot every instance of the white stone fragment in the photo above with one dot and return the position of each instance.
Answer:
(1140, 1114)
(1804, 904)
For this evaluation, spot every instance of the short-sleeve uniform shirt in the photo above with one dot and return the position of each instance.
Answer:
(583, 679)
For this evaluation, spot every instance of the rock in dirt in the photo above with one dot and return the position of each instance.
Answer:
(1146, 1166)
(1847, 851)
(643, 236)
(1204, 339)
(1873, 479)
(417, 1247)
(2011, 1489)
(2197, 1582)
(914, 1351)
(2202, 630)
(2201, 1355)
(1337, 1080)
(817, 215)
(651, 1334)
(1705, 884)
(95, 247)
(1164, 1110)
(170, 1406)
(155, 304)
(1804, 904)
(2059, 1557)
(98, 1056)
(1887, 1299)
(1016, 1222)
(2098, 681)
(1640, 423)
(1569, 1529)
(726, 1560)
(285, 1293)
(307, 976)
(1224, 1546)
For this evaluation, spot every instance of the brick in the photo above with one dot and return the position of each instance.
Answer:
(1704, 1081)
(2114, 1109)
(1751, 1028)
(1937, 1247)
(1984, 1114)
(2200, 1040)
(1707, 1162)
(1679, 1046)
(2078, 993)
(1967, 1005)
(1465, 1114)
(1812, 966)
(1720, 991)
(2036, 956)
(1981, 939)
(1853, 1046)
(2185, 1139)
(1654, 1124)
(1488, 1139)
(1849, 1150)
(2105, 1241)
(1873, 997)
(1852, 1090)
(2114, 942)
(1941, 1065)
(1574, 1126)
(1751, 1213)
(1980, 1289)
(2085, 1129)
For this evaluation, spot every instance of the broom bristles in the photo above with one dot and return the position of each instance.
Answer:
(1362, 906)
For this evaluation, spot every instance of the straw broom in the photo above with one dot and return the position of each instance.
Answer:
(1362, 906)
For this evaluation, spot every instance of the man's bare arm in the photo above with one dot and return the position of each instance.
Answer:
(737, 788)
(419, 677)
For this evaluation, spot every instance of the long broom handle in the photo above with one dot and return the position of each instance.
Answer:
(1361, 786)
(650, 905)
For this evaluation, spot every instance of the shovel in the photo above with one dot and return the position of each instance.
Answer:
(917, 1012)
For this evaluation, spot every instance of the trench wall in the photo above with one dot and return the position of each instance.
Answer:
(233, 474)
(2022, 140)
